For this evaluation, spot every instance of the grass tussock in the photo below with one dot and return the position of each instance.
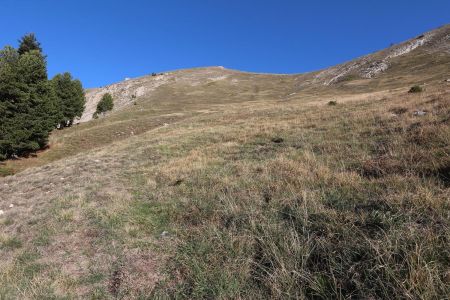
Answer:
(415, 89)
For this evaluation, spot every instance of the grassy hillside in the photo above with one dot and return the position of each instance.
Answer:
(252, 186)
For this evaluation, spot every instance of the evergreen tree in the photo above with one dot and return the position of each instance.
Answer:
(28, 101)
(105, 104)
(42, 113)
(30, 105)
(27, 43)
(70, 96)
(12, 95)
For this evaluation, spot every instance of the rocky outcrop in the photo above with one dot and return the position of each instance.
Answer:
(372, 65)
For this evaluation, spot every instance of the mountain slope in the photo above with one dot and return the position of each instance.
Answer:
(430, 49)
(373, 65)
(225, 184)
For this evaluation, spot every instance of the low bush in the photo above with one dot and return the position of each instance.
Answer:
(415, 89)
(332, 103)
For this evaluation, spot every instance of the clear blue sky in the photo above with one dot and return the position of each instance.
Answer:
(104, 41)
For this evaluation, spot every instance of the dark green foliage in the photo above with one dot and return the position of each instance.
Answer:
(70, 96)
(28, 43)
(30, 105)
(42, 106)
(415, 89)
(10, 89)
(106, 104)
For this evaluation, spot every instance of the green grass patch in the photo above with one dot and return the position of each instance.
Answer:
(5, 171)
(10, 243)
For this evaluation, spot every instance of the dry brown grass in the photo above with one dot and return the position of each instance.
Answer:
(271, 195)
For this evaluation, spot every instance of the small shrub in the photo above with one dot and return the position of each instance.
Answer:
(154, 74)
(133, 96)
(398, 110)
(332, 103)
(415, 89)
(277, 140)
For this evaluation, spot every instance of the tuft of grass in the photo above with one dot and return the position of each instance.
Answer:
(10, 243)
(4, 171)
(277, 140)
(332, 103)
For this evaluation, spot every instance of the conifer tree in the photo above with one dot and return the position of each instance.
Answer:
(70, 96)
(41, 112)
(27, 43)
(30, 105)
(12, 101)
(28, 102)
(105, 104)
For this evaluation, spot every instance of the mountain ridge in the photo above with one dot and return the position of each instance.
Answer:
(365, 67)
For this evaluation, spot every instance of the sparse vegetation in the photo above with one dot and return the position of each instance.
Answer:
(398, 110)
(294, 224)
(349, 77)
(10, 243)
